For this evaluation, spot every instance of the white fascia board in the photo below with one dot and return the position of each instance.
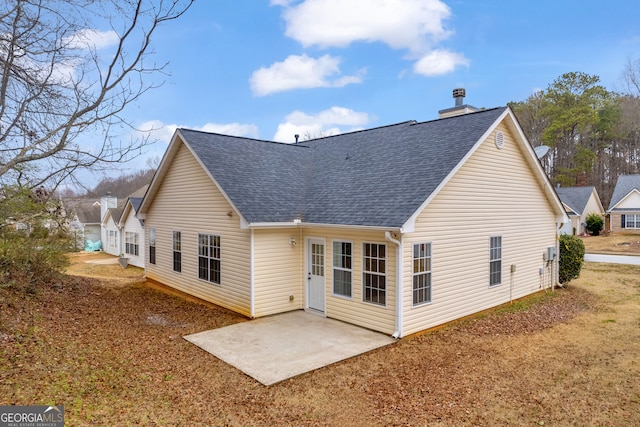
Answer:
(294, 223)
(635, 190)
(532, 160)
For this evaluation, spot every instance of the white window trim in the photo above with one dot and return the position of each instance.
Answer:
(497, 259)
(173, 250)
(333, 267)
(131, 238)
(219, 236)
(386, 267)
(430, 272)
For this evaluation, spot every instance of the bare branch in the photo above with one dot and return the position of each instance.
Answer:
(58, 88)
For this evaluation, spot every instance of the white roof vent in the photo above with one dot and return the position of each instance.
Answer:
(499, 140)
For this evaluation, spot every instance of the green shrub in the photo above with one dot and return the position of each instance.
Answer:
(571, 258)
(595, 224)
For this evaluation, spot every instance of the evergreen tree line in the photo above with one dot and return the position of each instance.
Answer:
(593, 134)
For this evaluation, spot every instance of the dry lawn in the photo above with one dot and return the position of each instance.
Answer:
(114, 355)
(614, 243)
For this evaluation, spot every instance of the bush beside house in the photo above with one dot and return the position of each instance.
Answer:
(571, 258)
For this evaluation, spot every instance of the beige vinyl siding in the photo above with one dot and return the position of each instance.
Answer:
(495, 193)
(132, 225)
(188, 201)
(277, 271)
(354, 310)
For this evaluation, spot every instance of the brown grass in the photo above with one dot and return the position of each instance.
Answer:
(614, 243)
(113, 355)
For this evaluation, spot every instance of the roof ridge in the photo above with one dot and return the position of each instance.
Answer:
(406, 122)
(245, 138)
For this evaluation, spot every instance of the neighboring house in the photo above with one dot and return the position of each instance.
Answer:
(121, 230)
(111, 236)
(84, 220)
(579, 202)
(132, 233)
(624, 208)
(397, 229)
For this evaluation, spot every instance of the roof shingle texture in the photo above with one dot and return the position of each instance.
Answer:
(625, 184)
(377, 177)
(575, 197)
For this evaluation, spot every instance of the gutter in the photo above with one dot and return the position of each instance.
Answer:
(399, 287)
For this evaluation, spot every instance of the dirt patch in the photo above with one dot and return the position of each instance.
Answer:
(115, 356)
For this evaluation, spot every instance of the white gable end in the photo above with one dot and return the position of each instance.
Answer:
(631, 201)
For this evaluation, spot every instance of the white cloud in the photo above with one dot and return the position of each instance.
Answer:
(299, 71)
(92, 39)
(401, 24)
(416, 26)
(439, 62)
(155, 129)
(235, 129)
(333, 121)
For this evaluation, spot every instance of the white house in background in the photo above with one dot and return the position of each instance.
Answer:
(624, 208)
(397, 229)
(132, 233)
(111, 242)
(119, 223)
(579, 202)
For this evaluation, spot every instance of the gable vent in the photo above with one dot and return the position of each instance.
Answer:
(499, 139)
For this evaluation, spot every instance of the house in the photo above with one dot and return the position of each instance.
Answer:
(397, 229)
(624, 208)
(121, 230)
(579, 203)
(111, 236)
(132, 232)
(84, 220)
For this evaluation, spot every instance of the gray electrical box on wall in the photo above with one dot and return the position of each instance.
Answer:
(551, 253)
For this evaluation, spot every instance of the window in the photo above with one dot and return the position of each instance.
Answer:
(631, 221)
(421, 273)
(209, 258)
(495, 261)
(342, 269)
(111, 238)
(374, 279)
(152, 246)
(131, 245)
(177, 251)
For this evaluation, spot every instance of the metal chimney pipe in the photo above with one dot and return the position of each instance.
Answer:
(458, 95)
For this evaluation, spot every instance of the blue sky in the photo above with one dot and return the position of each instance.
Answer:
(271, 69)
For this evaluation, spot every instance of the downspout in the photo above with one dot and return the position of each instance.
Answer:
(399, 288)
(555, 263)
(251, 278)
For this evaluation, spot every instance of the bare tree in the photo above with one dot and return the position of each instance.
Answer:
(68, 70)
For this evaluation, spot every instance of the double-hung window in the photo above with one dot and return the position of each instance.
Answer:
(177, 251)
(374, 273)
(342, 269)
(631, 221)
(131, 245)
(152, 246)
(209, 258)
(421, 273)
(495, 260)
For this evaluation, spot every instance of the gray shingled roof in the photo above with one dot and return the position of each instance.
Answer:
(575, 197)
(624, 186)
(135, 203)
(377, 177)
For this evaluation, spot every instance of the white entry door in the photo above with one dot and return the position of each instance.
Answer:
(315, 274)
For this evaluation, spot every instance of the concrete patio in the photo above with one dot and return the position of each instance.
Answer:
(273, 349)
